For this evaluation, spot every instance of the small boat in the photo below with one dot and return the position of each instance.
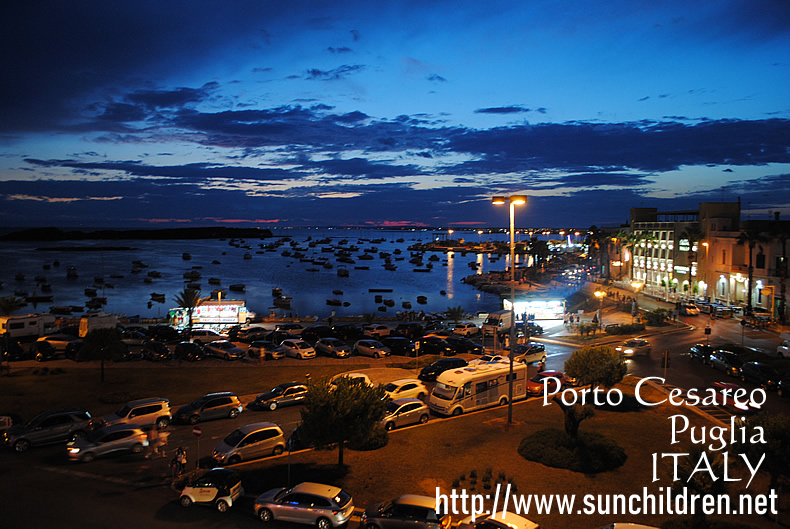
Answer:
(276, 292)
(422, 300)
(193, 285)
(334, 302)
(337, 292)
(90, 292)
(71, 272)
(192, 275)
(38, 298)
(406, 304)
(238, 287)
(284, 302)
(342, 272)
(216, 261)
(422, 270)
(389, 302)
(186, 256)
(214, 281)
(155, 274)
(20, 276)
(361, 268)
(247, 255)
(63, 310)
(155, 296)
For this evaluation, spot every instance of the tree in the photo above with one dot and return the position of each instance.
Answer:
(341, 412)
(189, 299)
(750, 237)
(780, 232)
(102, 344)
(456, 313)
(10, 304)
(591, 366)
(539, 250)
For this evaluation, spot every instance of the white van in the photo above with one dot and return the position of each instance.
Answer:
(497, 322)
(27, 325)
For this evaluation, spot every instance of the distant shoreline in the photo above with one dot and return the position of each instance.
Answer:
(56, 234)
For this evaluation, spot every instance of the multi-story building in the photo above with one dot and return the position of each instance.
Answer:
(706, 253)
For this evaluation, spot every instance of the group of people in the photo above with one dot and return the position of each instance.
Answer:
(158, 448)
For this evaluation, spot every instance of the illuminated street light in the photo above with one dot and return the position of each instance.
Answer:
(600, 294)
(636, 285)
(513, 200)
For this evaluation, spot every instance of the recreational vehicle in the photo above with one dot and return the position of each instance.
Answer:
(475, 387)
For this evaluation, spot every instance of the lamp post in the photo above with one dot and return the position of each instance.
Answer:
(636, 286)
(600, 294)
(513, 201)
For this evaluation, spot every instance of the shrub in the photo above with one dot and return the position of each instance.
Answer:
(590, 453)
(378, 438)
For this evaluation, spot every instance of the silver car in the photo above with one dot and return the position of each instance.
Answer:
(333, 347)
(52, 426)
(252, 441)
(408, 511)
(324, 506)
(372, 348)
(124, 438)
(402, 412)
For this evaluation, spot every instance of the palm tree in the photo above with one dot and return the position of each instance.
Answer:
(456, 313)
(631, 240)
(781, 234)
(189, 299)
(750, 237)
(10, 304)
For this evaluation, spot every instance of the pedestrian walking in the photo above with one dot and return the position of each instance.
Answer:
(179, 462)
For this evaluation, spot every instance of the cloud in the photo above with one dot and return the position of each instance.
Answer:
(335, 74)
(436, 78)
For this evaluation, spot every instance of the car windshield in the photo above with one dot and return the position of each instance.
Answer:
(279, 390)
(199, 402)
(444, 392)
(302, 345)
(390, 387)
(391, 408)
(123, 412)
(234, 438)
(94, 435)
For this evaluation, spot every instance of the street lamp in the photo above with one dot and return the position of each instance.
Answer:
(636, 286)
(600, 294)
(513, 200)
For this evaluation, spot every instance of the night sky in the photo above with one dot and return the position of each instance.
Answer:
(389, 113)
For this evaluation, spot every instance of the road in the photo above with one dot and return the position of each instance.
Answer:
(41, 488)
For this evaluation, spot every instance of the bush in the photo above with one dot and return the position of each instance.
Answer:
(628, 328)
(590, 453)
(657, 317)
(378, 438)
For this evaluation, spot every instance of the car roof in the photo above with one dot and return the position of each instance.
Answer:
(402, 381)
(220, 394)
(416, 500)
(151, 400)
(248, 428)
(119, 427)
(319, 489)
(289, 384)
(406, 400)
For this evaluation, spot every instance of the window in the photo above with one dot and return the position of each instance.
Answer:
(481, 387)
(759, 260)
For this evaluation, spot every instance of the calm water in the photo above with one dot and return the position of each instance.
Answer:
(309, 284)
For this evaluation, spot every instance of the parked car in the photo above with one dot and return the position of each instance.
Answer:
(250, 334)
(204, 336)
(156, 351)
(163, 333)
(634, 347)
(783, 349)
(290, 328)
(372, 348)
(134, 338)
(464, 345)
(742, 405)
(701, 352)
(347, 331)
(211, 406)
(143, 412)
(252, 441)
(324, 506)
(58, 341)
(219, 487)
(376, 330)
(313, 333)
(411, 330)
(530, 352)
(429, 373)
(689, 309)
(761, 374)
(532, 329)
(43, 351)
(277, 337)
(266, 350)
(728, 362)
(51, 426)
(189, 351)
(506, 520)
(434, 345)
(404, 411)
(354, 378)
(120, 438)
(406, 388)
(13, 350)
(286, 394)
(406, 511)
(297, 348)
(489, 357)
(330, 346)
(224, 349)
(399, 345)
(466, 328)
(551, 380)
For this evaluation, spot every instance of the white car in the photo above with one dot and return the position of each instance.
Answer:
(204, 336)
(355, 378)
(372, 348)
(220, 487)
(484, 359)
(783, 350)
(466, 328)
(377, 331)
(332, 347)
(497, 521)
(406, 388)
(634, 347)
(59, 341)
(296, 348)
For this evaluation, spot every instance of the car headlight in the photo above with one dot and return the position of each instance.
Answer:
(74, 450)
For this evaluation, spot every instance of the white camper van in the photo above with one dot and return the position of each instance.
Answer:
(474, 387)
(27, 325)
(99, 320)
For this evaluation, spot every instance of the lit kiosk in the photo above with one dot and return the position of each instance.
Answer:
(513, 200)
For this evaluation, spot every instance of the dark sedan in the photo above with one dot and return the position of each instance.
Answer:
(463, 345)
(761, 374)
(440, 366)
(433, 345)
(286, 394)
(701, 352)
(400, 345)
(156, 351)
(189, 351)
(728, 362)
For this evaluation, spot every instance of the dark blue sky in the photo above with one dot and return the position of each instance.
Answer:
(389, 113)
